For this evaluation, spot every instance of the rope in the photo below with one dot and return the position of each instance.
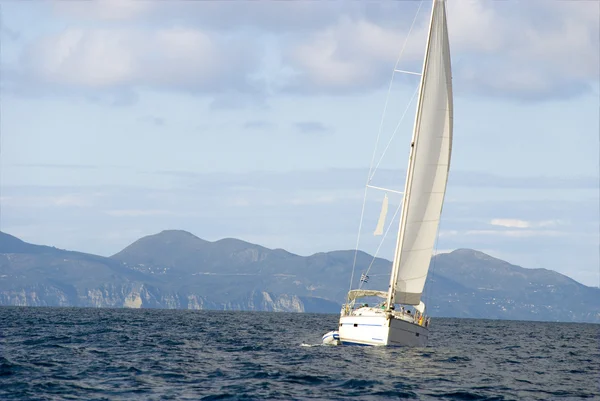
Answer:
(369, 176)
(381, 243)
(395, 130)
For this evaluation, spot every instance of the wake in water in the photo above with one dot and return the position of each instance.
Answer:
(311, 345)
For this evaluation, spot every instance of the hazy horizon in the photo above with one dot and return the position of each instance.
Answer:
(257, 120)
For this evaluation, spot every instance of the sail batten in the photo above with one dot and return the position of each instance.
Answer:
(429, 164)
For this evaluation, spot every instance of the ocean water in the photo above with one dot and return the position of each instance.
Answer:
(124, 354)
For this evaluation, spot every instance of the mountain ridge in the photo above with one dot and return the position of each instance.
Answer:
(176, 269)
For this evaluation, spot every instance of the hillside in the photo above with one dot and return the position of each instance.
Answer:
(175, 269)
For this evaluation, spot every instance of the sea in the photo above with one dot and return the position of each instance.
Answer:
(146, 354)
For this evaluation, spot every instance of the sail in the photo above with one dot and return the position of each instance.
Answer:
(382, 215)
(428, 167)
(355, 294)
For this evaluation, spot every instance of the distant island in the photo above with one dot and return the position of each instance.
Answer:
(175, 269)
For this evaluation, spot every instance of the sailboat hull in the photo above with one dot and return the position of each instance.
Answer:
(379, 330)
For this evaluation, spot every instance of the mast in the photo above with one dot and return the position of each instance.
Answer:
(409, 173)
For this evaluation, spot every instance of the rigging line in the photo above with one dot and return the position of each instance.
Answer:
(382, 239)
(394, 133)
(412, 25)
(369, 177)
(362, 213)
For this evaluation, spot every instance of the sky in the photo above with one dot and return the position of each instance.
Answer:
(258, 120)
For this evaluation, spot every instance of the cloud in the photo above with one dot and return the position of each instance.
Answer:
(517, 53)
(19, 80)
(258, 125)
(303, 212)
(353, 178)
(157, 121)
(231, 100)
(448, 233)
(483, 180)
(245, 52)
(510, 223)
(70, 200)
(498, 48)
(104, 9)
(352, 55)
(58, 166)
(518, 233)
(121, 59)
(64, 200)
(312, 128)
(515, 223)
(273, 17)
(315, 199)
(137, 213)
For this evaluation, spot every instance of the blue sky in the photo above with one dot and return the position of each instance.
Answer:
(257, 120)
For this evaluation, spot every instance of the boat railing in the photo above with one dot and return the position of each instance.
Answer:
(415, 318)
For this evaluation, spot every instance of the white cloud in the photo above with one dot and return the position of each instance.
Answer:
(514, 52)
(77, 57)
(138, 212)
(348, 55)
(523, 49)
(68, 200)
(516, 223)
(498, 49)
(518, 233)
(72, 200)
(104, 9)
(474, 26)
(178, 58)
(223, 15)
(510, 223)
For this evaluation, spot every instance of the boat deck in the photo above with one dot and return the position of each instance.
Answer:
(402, 314)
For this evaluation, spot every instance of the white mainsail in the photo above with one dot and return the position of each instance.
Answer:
(428, 169)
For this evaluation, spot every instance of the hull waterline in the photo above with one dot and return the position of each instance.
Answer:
(381, 330)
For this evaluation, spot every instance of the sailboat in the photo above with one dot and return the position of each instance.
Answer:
(400, 318)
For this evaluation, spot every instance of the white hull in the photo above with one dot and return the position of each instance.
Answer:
(373, 327)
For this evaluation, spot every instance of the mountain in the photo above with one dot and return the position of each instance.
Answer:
(167, 277)
(502, 290)
(175, 269)
(42, 275)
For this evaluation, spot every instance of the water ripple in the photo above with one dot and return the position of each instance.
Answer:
(118, 354)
